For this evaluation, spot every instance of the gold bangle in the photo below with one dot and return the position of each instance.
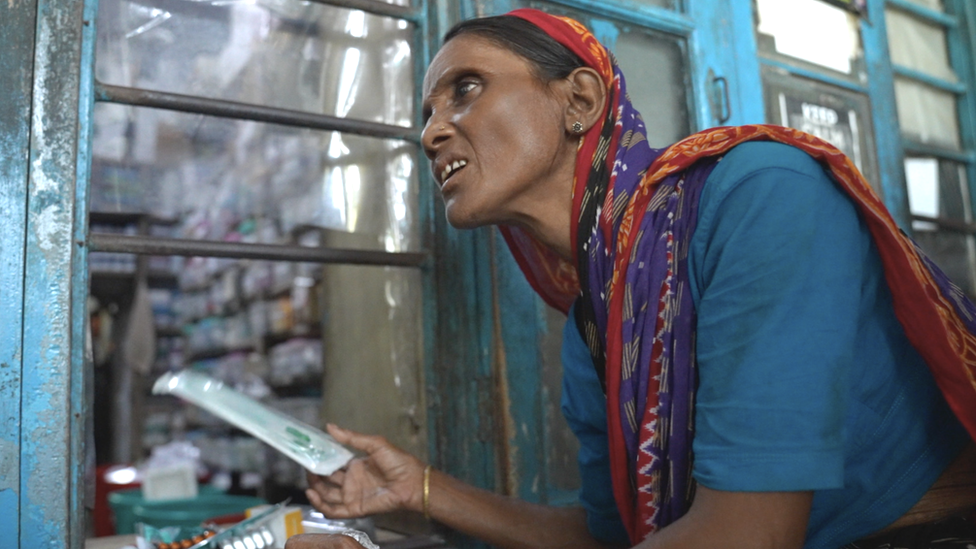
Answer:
(427, 492)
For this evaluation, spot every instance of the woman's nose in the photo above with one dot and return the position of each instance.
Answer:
(434, 135)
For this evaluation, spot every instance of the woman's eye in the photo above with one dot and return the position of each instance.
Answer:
(464, 87)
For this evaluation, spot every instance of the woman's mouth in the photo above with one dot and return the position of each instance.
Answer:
(451, 169)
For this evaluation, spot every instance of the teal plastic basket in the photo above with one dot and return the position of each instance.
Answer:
(129, 508)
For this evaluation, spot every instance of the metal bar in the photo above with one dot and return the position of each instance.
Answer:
(375, 7)
(243, 111)
(957, 88)
(144, 245)
(954, 225)
(82, 364)
(814, 75)
(927, 14)
(922, 149)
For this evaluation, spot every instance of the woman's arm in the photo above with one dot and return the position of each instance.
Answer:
(738, 520)
(506, 522)
(387, 479)
(730, 520)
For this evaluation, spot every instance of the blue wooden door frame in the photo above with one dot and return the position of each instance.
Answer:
(43, 286)
(17, 35)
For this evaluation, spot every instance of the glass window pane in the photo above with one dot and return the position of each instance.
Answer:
(223, 179)
(926, 114)
(953, 252)
(655, 70)
(283, 53)
(918, 45)
(922, 178)
(938, 188)
(838, 116)
(797, 29)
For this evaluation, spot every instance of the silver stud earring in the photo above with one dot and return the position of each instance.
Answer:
(577, 127)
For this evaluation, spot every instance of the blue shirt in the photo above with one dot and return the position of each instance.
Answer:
(806, 378)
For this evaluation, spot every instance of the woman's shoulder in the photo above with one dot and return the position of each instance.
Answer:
(769, 188)
(749, 158)
(769, 172)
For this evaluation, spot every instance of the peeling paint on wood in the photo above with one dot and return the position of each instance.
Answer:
(17, 23)
(46, 467)
(520, 386)
(9, 466)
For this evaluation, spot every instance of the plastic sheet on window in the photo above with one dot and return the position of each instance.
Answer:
(280, 53)
(219, 177)
(295, 331)
(926, 114)
(918, 45)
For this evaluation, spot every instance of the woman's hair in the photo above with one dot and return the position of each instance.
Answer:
(551, 59)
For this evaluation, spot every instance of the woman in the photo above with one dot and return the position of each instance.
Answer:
(759, 327)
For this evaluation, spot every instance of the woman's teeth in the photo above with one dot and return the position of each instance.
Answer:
(449, 169)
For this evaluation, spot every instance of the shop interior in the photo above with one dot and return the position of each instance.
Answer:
(313, 340)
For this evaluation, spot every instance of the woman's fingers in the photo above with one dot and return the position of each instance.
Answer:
(325, 489)
(319, 483)
(322, 541)
(361, 442)
(338, 478)
(330, 504)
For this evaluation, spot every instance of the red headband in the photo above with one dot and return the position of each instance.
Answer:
(572, 34)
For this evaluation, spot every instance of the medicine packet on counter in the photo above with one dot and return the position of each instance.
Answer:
(309, 447)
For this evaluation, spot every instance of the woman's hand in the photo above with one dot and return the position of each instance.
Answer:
(385, 479)
(322, 541)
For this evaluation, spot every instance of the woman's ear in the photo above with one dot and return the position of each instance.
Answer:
(587, 97)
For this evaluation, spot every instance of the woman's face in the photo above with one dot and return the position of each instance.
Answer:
(496, 136)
